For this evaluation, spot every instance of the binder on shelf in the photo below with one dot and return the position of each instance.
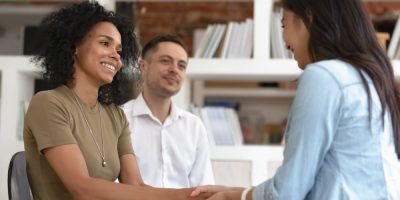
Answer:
(226, 41)
(278, 46)
(23, 108)
(393, 47)
(204, 41)
(203, 116)
(233, 120)
(220, 127)
(222, 124)
(215, 40)
(231, 40)
(248, 39)
(236, 37)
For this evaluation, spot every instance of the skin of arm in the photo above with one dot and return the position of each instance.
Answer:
(220, 192)
(130, 173)
(230, 195)
(69, 164)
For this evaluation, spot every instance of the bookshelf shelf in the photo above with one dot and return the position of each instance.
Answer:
(251, 69)
(243, 69)
(263, 161)
(249, 92)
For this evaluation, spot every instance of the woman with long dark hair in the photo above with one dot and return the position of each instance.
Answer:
(343, 132)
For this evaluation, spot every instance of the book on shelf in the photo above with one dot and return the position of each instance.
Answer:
(200, 113)
(226, 126)
(252, 127)
(205, 40)
(207, 123)
(233, 120)
(248, 39)
(393, 47)
(220, 127)
(222, 124)
(23, 108)
(215, 40)
(226, 41)
(226, 103)
(236, 37)
(197, 37)
(278, 47)
(230, 40)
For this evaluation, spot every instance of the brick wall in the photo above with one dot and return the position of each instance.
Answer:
(182, 18)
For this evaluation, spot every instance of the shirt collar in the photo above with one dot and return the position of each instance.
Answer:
(141, 108)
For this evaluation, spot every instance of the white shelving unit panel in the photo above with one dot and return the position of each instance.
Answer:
(263, 160)
(17, 85)
(249, 92)
(396, 68)
(243, 69)
(251, 69)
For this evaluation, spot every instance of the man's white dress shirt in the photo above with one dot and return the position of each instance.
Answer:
(174, 154)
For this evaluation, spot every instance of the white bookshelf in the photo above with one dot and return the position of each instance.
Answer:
(250, 93)
(17, 75)
(257, 164)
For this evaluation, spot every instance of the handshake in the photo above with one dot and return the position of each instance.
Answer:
(219, 192)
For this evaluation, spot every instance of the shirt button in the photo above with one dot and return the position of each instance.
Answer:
(270, 196)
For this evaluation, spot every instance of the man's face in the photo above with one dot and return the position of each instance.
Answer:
(164, 69)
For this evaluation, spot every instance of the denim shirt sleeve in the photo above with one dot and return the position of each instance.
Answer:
(310, 130)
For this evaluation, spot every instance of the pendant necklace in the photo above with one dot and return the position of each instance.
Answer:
(101, 153)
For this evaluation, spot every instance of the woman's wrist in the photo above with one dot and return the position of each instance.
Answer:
(244, 193)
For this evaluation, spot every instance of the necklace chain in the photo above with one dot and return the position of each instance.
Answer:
(101, 152)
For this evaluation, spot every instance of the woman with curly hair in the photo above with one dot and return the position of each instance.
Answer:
(77, 139)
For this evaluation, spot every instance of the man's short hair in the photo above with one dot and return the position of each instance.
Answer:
(152, 45)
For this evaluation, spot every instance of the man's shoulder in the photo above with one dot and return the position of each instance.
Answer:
(128, 106)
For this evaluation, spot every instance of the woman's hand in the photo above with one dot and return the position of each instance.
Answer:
(202, 196)
(227, 195)
(210, 189)
(218, 196)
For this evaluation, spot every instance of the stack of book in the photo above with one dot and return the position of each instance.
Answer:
(393, 48)
(231, 40)
(278, 47)
(222, 124)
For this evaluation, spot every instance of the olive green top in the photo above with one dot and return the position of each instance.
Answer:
(54, 118)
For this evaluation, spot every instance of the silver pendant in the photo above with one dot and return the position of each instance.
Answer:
(104, 163)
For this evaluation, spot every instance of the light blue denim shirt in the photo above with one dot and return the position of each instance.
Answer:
(332, 150)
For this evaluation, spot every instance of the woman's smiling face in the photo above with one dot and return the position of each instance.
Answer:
(296, 37)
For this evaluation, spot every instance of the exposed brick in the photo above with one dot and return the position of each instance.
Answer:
(182, 18)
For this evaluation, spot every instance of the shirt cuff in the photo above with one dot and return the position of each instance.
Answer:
(264, 191)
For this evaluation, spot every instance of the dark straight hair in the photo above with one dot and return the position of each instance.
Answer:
(342, 29)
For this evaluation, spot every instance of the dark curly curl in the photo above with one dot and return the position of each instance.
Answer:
(66, 28)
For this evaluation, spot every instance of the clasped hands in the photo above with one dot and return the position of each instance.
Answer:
(216, 192)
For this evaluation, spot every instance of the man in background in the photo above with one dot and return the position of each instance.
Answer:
(170, 144)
